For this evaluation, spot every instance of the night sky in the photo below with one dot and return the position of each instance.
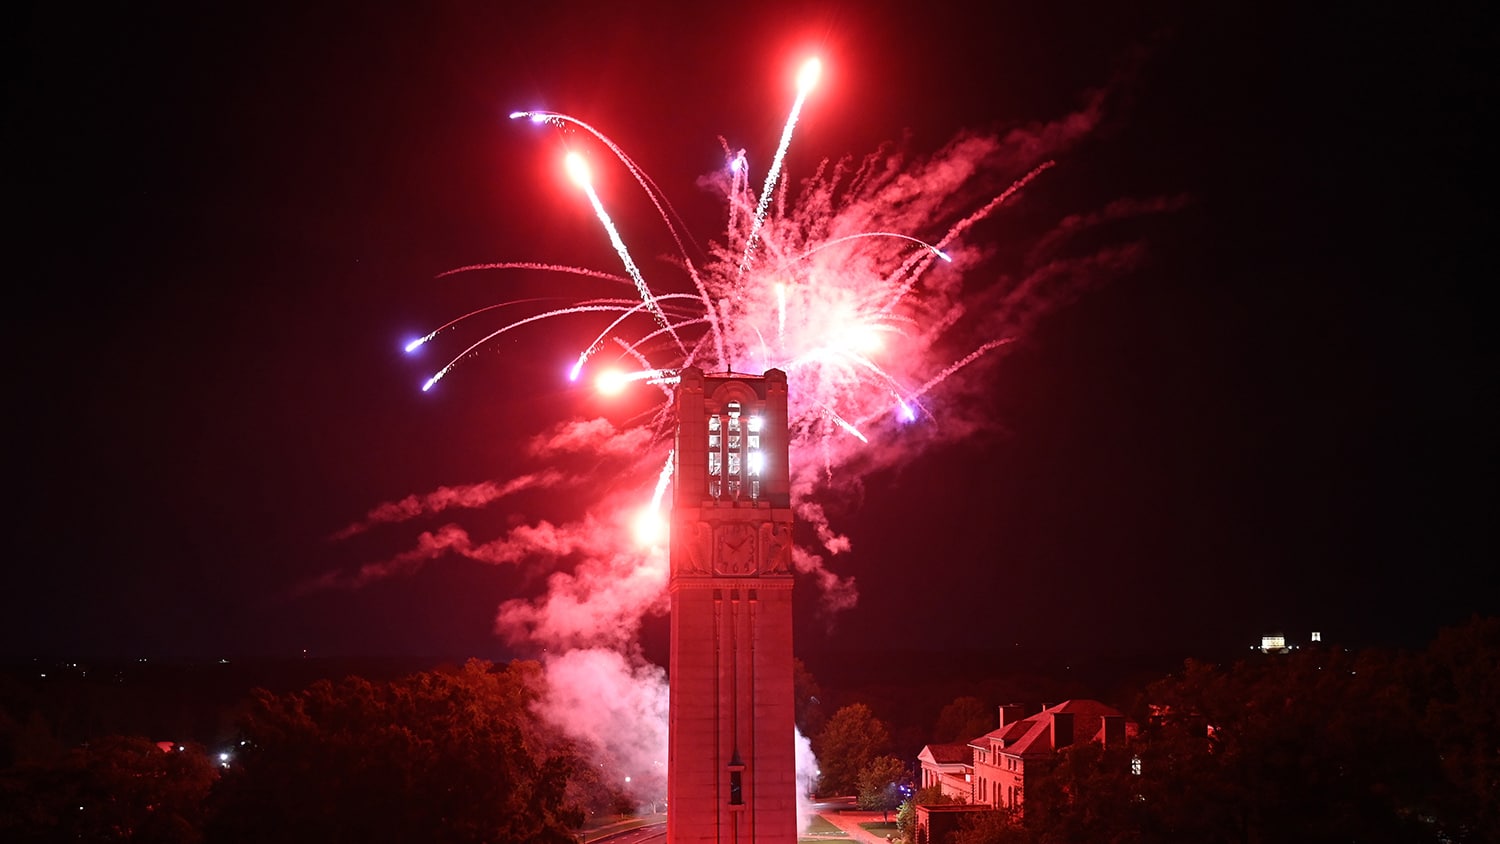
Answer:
(226, 223)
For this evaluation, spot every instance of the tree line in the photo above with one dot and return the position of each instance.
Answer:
(1320, 744)
(455, 755)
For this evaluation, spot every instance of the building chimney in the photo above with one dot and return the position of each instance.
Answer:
(1114, 730)
(1062, 730)
(1011, 713)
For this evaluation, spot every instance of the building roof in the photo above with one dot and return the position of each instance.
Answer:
(1006, 734)
(1085, 707)
(1033, 735)
(951, 753)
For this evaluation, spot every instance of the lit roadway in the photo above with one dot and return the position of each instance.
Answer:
(639, 835)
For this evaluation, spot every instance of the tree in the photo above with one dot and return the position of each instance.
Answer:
(1461, 681)
(116, 788)
(1087, 793)
(850, 739)
(450, 756)
(995, 827)
(1316, 745)
(964, 719)
(880, 783)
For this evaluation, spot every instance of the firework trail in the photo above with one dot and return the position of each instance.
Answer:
(579, 170)
(853, 281)
(806, 79)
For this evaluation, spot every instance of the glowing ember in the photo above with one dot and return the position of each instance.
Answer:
(578, 170)
(650, 528)
(611, 382)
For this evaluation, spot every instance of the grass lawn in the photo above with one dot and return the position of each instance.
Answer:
(822, 829)
(881, 828)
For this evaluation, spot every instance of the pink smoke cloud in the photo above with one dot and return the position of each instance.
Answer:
(470, 496)
(599, 604)
(839, 592)
(543, 540)
(616, 704)
(599, 437)
(429, 545)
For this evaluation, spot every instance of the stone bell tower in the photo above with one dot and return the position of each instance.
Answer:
(731, 767)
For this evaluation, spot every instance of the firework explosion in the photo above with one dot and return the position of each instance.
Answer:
(829, 283)
(852, 282)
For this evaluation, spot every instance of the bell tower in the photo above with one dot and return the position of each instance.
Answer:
(731, 766)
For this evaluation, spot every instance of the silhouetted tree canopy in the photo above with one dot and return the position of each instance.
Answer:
(116, 788)
(451, 756)
(1461, 715)
(964, 719)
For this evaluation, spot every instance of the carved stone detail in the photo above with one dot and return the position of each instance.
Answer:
(695, 540)
(776, 544)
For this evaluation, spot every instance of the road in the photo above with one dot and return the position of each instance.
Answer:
(639, 835)
(840, 813)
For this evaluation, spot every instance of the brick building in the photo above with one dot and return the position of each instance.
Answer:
(989, 772)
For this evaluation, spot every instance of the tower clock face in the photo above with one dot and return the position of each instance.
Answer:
(736, 551)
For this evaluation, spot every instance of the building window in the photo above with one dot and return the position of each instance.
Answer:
(736, 789)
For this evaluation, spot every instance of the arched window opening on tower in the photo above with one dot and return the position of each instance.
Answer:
(736, 462)
(734, 450)
(715, 456)
(754, 457)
